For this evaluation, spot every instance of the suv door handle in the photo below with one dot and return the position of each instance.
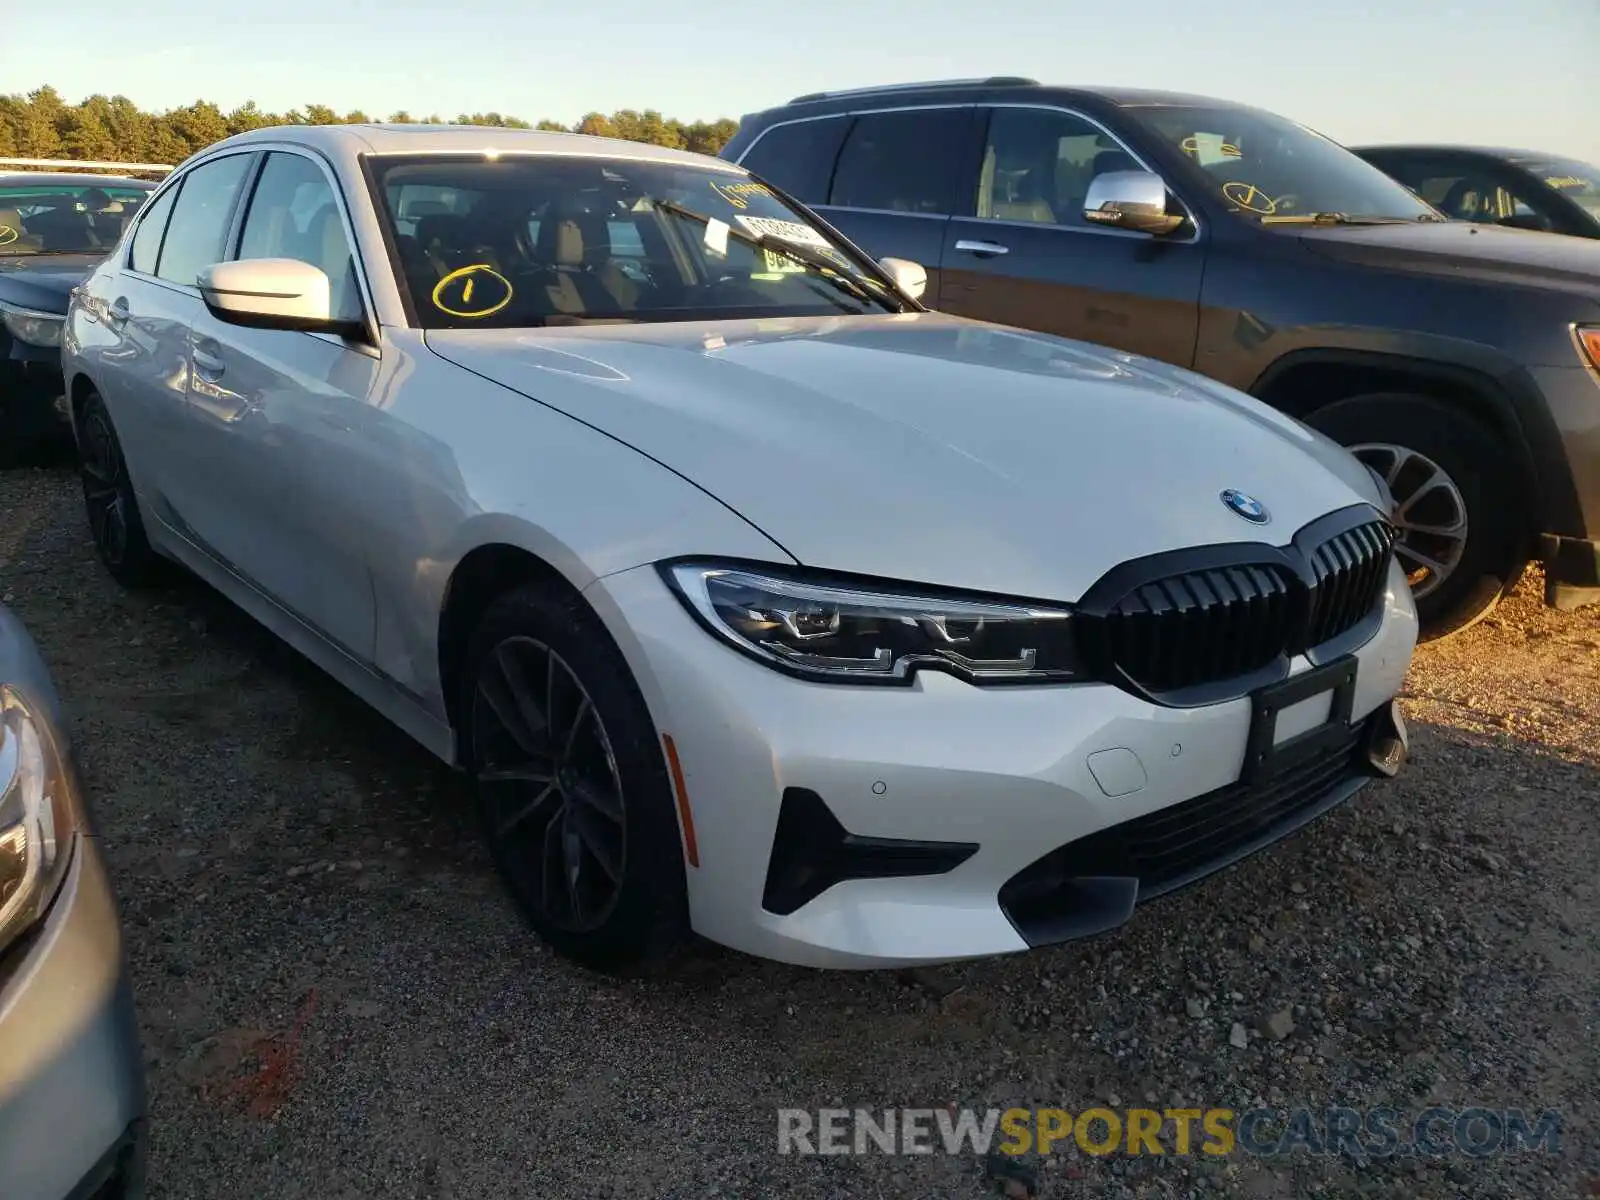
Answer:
(982, 249)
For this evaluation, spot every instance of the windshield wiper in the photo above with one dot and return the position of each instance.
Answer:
(57, 251)
(1329, 218)
(826, 269)
(807, 256)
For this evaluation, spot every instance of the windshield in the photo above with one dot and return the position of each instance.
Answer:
(530, 241)
(1272, 169)
(1577, 181)
(55, 218)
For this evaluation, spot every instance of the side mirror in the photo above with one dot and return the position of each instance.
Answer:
(1135, 200)
(272, 293)
(911, 278)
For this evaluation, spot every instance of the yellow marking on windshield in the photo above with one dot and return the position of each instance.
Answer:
(8, 235)
(498, 287)
(1249, 197)
(1228, 149)
(1568, 181)
(738, 194)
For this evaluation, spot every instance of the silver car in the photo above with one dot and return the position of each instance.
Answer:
(72, 1095)
(758, 599)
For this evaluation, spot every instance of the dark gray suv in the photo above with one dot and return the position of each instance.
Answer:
(1461, 362)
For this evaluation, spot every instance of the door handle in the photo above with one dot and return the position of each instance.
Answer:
(982, 249)
(117, 314)
(206, 364)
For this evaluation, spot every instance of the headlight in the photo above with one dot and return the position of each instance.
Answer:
(36, 816)
(35, 328)
(838, 632)
(1588, 338)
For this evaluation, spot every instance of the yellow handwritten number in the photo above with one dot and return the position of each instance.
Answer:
(8, 235)
(499, 292)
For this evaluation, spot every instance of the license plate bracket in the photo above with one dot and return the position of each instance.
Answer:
(1265, 756)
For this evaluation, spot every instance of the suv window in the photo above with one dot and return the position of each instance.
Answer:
(901, 161)
(1037, 165)
(293, 214)
(147, 238)
(799, 158)
(199, 224)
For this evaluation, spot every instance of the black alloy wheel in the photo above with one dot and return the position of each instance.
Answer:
(552, 793)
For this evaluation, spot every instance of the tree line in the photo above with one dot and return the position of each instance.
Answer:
(41, 124)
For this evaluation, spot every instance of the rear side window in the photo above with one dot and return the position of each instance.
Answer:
(799, 158)
(147, 238)
(199, 224)
(901, 161)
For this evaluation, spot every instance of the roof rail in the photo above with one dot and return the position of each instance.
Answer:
(990, 81)
(78, 164)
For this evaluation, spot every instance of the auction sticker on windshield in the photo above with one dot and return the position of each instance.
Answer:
(789, 231)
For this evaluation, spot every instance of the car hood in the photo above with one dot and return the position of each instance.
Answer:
(44, 281)
(1462, 250)
(929, 448)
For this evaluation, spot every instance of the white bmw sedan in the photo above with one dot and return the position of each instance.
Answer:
(758, 599)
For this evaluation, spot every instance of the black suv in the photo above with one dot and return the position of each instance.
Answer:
(1461, 362)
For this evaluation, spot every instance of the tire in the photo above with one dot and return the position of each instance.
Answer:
(1438, 460)
(596, 795)
(115, 524)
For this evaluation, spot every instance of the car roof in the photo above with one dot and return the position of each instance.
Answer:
(1505, 153)
(71, 179)
(376, 138)
(1124, 97)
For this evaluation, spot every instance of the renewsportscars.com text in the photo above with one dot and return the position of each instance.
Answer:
(1357, 1133)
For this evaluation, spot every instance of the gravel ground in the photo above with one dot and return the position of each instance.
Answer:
(337, 1001)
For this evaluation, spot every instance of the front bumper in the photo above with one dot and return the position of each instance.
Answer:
(983, 782)
(1570, 548)
(72, 1094)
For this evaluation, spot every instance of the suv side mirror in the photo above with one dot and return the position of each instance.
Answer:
(911, 278)
(1134, 200)
(272, 293)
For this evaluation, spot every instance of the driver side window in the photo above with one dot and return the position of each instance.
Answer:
(294, 214)
(1038, 164)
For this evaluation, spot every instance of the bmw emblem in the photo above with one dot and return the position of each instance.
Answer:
(1246, 506)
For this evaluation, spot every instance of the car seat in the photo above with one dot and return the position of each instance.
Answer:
(576, 269)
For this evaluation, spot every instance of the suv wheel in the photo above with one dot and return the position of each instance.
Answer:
(575, 799)
(1456, 511)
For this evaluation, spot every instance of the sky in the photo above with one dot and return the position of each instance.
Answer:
(1518, 72)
